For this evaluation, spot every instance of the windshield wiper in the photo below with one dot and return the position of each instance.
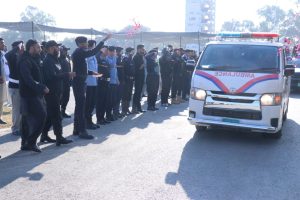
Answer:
(218, 67)
(263, 69)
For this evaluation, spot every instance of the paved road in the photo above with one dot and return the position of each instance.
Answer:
(156, 156)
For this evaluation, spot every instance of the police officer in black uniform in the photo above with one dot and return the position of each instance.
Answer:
(177, 77)
(121, 77)
(102, 88)
(189, 66)
(64, 60)
(79, 84)
(165, 63)
(53, 77)
(44, 51)
(32, 91)
(139, 65)
(129, 71)
(152, 79)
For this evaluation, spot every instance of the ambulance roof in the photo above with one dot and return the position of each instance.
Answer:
(247, 42)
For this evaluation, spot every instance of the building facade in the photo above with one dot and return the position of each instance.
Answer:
(200, 16)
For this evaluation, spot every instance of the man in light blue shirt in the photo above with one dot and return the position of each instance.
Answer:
(113, 84)
(91, 88)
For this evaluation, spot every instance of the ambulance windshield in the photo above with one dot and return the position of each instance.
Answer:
(240, 58)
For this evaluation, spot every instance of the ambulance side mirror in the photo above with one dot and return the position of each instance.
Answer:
(289, 70)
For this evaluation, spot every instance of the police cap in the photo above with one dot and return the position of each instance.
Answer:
(80, 39)
(52, 43)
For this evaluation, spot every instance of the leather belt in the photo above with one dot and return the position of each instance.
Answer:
(104, 79)
(13, 80)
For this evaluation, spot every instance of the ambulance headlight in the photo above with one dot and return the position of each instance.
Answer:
(270, 99)
(198, 94)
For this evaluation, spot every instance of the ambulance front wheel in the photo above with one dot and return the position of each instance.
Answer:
(277, 135)
(201, 128)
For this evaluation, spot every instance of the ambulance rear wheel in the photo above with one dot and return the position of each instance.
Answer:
(285, 114)
(201, 128)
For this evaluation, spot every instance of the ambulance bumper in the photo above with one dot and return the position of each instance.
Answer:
(253, 128)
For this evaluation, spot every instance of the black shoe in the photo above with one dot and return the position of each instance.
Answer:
(110, 118)
(91, 126)
(165, 105)
(16, 133)
(142, 111)
(62, 140)
(85, 136)
(106, 121)
(135, 111)
(35, 148)
(65, 115)
(152, 109)
(128, 112)
(75, 133)
(102, 122)
(115, 117)
(121, 115)
(2, 122)
(47, 139)
(25, 148)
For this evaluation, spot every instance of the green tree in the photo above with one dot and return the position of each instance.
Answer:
(291, 25)
(237, 26)
(273, 17)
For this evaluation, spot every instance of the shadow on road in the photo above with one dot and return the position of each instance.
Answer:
(19, 164)
(218, 164)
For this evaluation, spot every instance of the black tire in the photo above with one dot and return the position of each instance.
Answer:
(276, 135)
(201, 128)
(285, 114)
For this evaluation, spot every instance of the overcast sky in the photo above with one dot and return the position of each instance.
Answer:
(159, 15)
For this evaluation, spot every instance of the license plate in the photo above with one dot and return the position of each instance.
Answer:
(298, 84)
(236, 121)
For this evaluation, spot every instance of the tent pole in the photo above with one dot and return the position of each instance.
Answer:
(180, 41)
(198, 42)
(32, 29)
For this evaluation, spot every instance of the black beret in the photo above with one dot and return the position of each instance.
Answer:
(153, 51)
(111, 48)
(91, 43)
(52, 43)
(16, 43)
(129, 49)
(140, 46)
(30, 43)
(81, 39)
(119, 49)
(63, 47)
(43, 44)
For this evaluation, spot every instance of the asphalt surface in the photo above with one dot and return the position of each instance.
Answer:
(156, 155)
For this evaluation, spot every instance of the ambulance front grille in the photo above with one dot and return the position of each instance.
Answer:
(238, 114)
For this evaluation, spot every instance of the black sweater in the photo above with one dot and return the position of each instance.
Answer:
(79, 63)
(53, 75)
(30, 77)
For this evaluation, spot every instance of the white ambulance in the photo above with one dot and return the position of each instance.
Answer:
(243, 83)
